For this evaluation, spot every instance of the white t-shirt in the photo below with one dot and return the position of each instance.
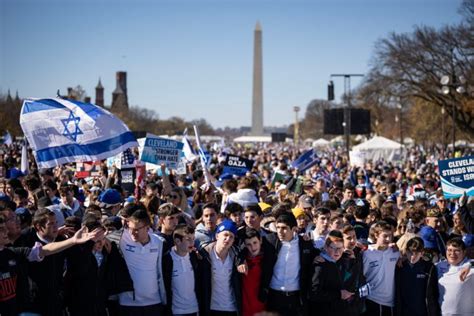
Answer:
(142, 264)
(455, 297)
(182, 285)
(379, 270)
(222, 297)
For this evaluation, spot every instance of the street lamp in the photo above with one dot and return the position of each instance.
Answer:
(448, 83)
(296, 136)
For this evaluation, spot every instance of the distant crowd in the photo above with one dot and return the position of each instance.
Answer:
(334, 239)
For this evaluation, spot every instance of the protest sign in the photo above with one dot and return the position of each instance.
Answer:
(128, 179)
(157, 150)
(87, 169)
(277, 177)
(357, 158)
(237, 165)
(457, 176)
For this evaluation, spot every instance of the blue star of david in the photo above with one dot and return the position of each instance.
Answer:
(68, 133)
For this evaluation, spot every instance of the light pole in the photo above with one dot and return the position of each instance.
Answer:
(400, 107)
(442, 129)
(296, 136)
(449, 83)
(347, 110)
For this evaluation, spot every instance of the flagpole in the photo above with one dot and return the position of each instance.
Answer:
(25, 165)
(203, 163)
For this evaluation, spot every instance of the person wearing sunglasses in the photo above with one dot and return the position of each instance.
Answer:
(178, 198)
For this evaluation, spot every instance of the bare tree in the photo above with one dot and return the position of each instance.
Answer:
(313, 121)
(410, 66)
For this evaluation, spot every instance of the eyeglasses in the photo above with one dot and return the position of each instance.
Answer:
(136, 230)
(172, 196)
(456, 251)
(337, 249)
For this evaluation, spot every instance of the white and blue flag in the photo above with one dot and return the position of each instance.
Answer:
(7, 139)
(306, 160)
(62, 131)
(188, 149)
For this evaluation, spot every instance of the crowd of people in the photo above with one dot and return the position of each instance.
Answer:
(335, 239)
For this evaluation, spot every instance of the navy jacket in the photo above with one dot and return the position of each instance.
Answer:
(416, 289)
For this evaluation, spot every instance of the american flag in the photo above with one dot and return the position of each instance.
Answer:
(127, 159)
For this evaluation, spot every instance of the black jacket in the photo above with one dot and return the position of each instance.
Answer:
(205, 272)
(353, 278)
(117, 276)
(325, 292)
(416, 289)
(45, 279)
(167, 275)
(307, 254)
(85, 281)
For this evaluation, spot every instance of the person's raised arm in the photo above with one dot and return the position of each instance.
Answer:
(165, 180)
(80, 237)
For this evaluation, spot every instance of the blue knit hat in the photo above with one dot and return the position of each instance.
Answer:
(228, 225)
(16, 173)
(110, 197)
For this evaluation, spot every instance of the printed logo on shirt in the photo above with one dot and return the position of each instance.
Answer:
(130, 248)
(373, 264)
(421, 276)
(175, 274)
(12, 263)
(152, 250)
(393, 259)
(5, 276)
(7, 287)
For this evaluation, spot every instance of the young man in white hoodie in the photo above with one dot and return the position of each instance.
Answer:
(455, 296)
(379, 262)
(246, 194)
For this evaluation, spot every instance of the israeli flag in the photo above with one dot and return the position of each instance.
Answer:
(62, 131)
(7, 139)
(188, 150)
(306, 160)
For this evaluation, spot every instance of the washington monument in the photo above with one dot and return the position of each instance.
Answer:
(257, 95)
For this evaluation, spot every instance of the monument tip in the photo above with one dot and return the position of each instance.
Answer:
(258, 27)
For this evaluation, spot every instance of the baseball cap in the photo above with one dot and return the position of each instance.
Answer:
(306, 201)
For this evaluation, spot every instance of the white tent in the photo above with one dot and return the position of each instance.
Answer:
(377, 148)
(253, 139)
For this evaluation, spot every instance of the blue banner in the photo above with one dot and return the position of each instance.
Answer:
(457, 176)
(159, 150)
